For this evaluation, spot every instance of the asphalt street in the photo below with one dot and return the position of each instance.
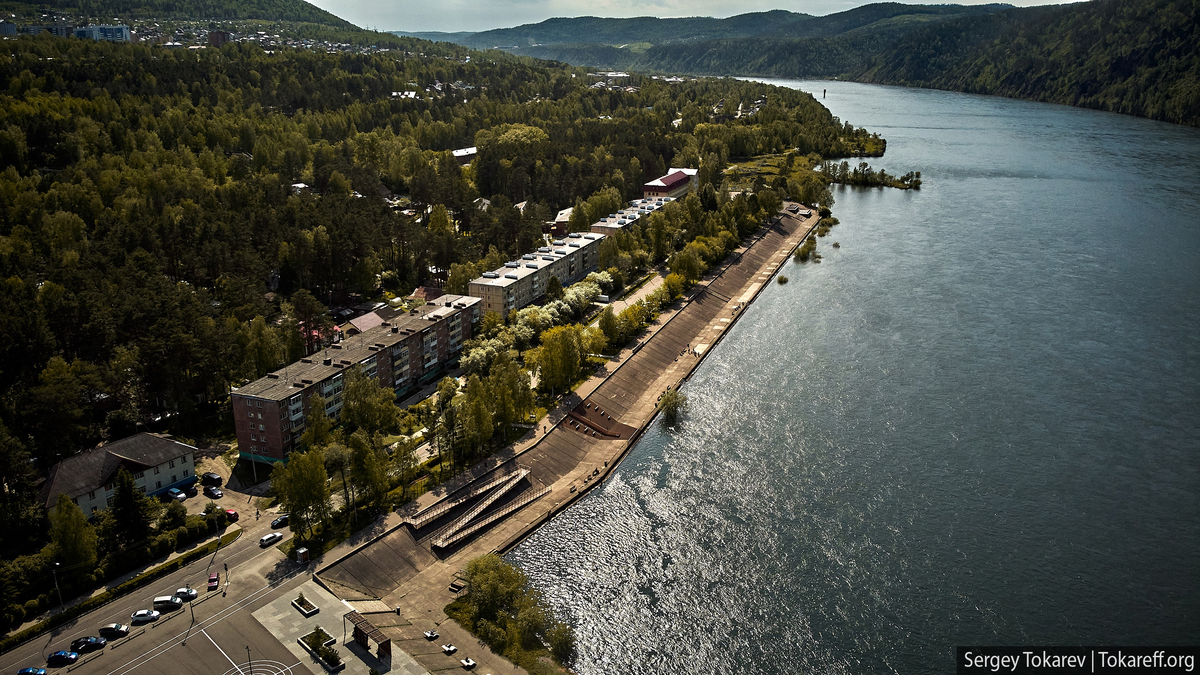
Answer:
(213, 642)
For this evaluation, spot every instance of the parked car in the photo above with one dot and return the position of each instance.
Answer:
(214, 581)
(62, 658)
(468, 663)
(279, 522)
(268, 539)
(449, 649)
(32, 671)
(143, 616)
(186, 594)
(213, 492)
(114, 631)
(176, 494)
(231, 515)
(88, 644)
(190, 489)
(211, 478)
(431, 635)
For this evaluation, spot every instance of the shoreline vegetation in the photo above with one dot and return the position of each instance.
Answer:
(864, 176)
(510, 616)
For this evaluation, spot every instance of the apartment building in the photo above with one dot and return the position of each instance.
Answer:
(403, 354)
(523, 281)
(676, 183)
(103, 32)
(157, 464)
(637, 209)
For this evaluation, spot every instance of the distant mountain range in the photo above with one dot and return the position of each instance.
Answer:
(1131, 56)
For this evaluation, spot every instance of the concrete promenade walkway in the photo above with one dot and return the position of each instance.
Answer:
(398, 565)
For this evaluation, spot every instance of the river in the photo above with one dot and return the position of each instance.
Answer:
(975, 422)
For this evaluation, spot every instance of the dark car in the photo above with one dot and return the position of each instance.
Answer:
(32, 671)
(189, 490)
(62, 658)
(213, 492)
(211, 478)
(88, 644)
(279, 522)
(114, 631)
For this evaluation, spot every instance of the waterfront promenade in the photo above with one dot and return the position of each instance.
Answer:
(406, 563)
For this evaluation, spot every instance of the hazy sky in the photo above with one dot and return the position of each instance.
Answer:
(469, 15)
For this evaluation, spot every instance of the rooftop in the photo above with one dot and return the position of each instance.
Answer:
(530, 263)
(289, 380)
(92, 469)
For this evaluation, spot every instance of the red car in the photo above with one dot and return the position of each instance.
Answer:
(214, 581)
(231, 515)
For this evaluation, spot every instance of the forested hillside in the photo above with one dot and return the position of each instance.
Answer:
(591, 29)
(153, 251)
(267, 10)
(1131, 56)
(1140, 57)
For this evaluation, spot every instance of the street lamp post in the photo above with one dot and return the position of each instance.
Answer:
(250, 662)
(61, 605)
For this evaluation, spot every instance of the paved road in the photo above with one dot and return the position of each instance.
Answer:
(254, 573)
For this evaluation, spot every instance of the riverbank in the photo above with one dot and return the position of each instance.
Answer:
(403, 567)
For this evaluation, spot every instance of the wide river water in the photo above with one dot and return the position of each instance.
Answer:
(975, 422)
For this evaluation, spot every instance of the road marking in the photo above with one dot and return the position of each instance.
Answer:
(221, 615)
(239, 668)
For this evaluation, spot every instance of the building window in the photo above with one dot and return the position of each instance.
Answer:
(185, 473)
(253, 437)
(92, 494)
(109, 501)
(76, 500)
(261, 428)
(172, 478)
(156, 471)
(157, 484)
(258, 403)
(171, 464)
(140, 474)
(247, 403)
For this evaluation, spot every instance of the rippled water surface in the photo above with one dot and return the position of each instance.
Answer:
(977, 422)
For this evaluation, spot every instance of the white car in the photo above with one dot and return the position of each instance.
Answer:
(186, 594)
(431, 635)
(268, 539)
(449, 649)
(143, 616)
(468, 663)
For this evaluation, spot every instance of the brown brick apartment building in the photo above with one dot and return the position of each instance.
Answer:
(404, 353)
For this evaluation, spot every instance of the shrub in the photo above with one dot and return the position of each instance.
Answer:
(329, 655)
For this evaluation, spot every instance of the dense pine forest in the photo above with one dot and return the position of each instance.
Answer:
(154, 252)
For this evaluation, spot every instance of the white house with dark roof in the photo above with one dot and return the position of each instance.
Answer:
(156, 463)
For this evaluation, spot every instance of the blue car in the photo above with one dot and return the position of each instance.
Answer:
(32, 671)
(62, 658)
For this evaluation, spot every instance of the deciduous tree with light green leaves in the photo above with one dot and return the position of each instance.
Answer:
(302, 485)
(367, 470)
(366, 405)
(72, 537)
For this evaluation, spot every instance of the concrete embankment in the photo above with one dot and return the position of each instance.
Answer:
(591, 433)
